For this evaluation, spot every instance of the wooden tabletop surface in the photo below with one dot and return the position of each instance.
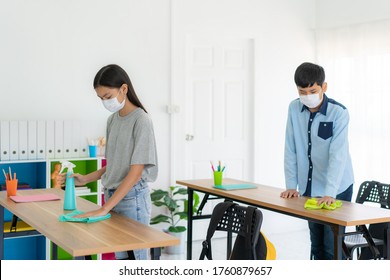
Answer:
(118, 233)
(350, 214)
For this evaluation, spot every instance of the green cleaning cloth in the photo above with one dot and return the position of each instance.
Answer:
(312, 203)
(69, 218)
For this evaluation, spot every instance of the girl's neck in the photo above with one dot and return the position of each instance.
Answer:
(127, 109)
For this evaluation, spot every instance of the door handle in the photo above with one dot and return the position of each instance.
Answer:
(189, 137)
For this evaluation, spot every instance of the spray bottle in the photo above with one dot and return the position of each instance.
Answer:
(70, 192)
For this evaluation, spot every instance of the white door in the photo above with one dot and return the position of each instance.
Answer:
(216, 117)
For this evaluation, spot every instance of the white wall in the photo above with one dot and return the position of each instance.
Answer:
(283, 31)
(50, 52)
(278, 27)
(333, 13)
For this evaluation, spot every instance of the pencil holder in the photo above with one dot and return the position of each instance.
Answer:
(92, 151)
(11, 186)
(217, 178)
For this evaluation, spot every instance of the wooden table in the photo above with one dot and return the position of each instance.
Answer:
(266, 197)
(118, 233)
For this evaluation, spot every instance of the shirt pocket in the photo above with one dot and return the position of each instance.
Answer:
(325, 130)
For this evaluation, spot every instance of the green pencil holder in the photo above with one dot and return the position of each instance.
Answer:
(217, 178)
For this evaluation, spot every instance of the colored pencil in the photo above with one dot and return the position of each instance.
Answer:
(212, 166)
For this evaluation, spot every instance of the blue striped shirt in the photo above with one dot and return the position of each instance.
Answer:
(316, 156)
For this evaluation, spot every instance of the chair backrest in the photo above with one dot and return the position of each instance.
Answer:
(375, 192)
(245, 221)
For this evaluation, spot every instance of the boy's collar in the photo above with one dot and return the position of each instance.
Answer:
(323, 108)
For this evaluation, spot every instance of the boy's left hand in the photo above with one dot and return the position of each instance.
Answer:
(328, 200)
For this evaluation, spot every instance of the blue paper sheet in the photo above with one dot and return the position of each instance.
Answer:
(235, 187)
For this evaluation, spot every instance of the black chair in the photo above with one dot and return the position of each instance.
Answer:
(369, 241)
(245, 221)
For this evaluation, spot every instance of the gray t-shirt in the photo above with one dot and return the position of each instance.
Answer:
(130, 140)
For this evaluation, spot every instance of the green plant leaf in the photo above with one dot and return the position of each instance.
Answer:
(170, 203)
(177, 229)
(160, 219)
(182, 215)
(196, 202)
(182, 191)
(159, 203)
(158, 194)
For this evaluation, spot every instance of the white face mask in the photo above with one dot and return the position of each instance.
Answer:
(310, 100)
(113, 104)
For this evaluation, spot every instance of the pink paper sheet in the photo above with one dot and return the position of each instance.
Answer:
(37, 197)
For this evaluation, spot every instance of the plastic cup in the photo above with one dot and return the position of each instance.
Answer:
(217, 178)
(12, 186)
(92, 150)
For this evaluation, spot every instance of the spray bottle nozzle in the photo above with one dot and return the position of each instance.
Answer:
(67, 164)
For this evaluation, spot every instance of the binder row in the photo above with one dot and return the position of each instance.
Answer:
(32, 140)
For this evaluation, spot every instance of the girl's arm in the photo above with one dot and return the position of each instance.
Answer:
(91, 177)
(81, 180)
(127, 184)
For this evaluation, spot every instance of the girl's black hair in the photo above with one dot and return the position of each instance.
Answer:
(113, 76)
(307, 74)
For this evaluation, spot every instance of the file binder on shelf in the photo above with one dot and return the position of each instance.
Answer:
(49, 139)
(67, 136)
(58, 139)
(41, 140)
(4, 141)
(14, 140)
(32, 140)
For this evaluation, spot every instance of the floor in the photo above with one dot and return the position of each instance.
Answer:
(294, 245)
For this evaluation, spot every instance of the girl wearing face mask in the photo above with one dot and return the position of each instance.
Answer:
(130, 152)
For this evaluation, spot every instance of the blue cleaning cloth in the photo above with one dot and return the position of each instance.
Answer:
(69, 218)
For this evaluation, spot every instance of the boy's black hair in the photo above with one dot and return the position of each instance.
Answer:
(307, 74)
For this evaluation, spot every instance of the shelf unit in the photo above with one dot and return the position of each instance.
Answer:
(37, 174)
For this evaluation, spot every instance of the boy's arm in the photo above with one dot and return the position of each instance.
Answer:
(290, 156)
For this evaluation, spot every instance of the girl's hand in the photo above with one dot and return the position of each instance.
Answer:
(99, 212)
(79, 180)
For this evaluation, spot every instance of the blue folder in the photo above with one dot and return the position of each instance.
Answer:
(235, 187)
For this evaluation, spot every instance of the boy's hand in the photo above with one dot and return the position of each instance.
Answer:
(289, 194)
(328, 200)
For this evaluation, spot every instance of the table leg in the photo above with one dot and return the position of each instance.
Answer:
(386, 246)
(155, 253)
(2, 233)
(54, 251)
(189, 222)
(338, 232)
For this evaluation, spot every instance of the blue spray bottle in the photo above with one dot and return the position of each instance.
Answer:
(70, 192)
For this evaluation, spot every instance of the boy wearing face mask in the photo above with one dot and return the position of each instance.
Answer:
(317, 162)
